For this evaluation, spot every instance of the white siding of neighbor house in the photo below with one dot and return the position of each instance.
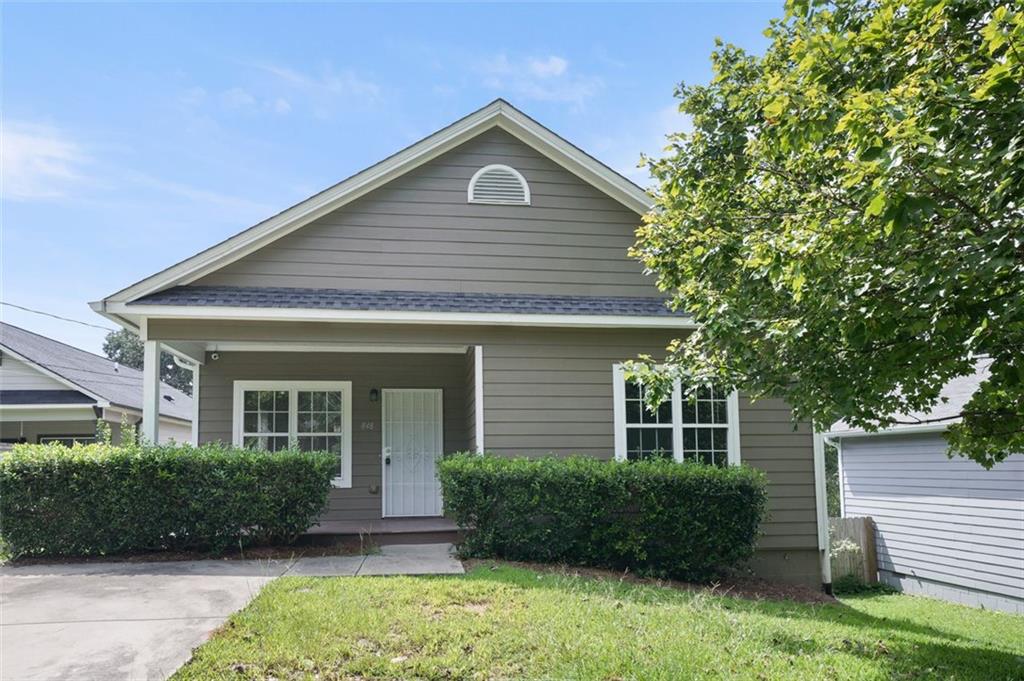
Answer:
(944, 527)
(18, 375)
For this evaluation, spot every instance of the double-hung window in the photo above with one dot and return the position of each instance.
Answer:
(695, 425)
(307, 415)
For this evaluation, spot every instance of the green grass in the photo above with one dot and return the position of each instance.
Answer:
(516, 623)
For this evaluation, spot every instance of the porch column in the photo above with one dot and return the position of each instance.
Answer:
(478, 396)
(195, 404)
(151, 391)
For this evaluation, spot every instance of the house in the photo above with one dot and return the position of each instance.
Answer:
(470, 292)
(52, 392)
(944, 527)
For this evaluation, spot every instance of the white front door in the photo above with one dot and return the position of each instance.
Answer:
(413, 440)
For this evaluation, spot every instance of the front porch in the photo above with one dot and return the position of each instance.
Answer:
(387, 415)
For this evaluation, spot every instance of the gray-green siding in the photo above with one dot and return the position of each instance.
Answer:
(545, 391)
(419, 232)
(362, 501)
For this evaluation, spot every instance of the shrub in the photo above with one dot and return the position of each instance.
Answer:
(854, 585)
(687, 521)
(99, 499)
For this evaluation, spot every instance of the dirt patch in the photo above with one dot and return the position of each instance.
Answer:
(740, 586)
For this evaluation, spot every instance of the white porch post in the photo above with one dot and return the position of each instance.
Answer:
(151, 391)
(195, 404)
(478, 396)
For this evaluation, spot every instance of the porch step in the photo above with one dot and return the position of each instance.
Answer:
(388, 530)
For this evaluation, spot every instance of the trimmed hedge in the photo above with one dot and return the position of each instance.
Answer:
(100, 499)
(686, 521)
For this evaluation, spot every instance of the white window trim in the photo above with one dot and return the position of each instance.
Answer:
(344, 479)
(498, 166)
(732, 404)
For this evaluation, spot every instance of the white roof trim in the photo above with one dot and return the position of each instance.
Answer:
(35, 413)
(498, 113)
(894, 430)
(57, 405)
(115, 412)
(399, 316)
(271, 346)
(100, 401)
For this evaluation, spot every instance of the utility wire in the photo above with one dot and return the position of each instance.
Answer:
(56, 316)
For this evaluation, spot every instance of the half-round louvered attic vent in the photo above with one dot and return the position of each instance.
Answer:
(499, 184)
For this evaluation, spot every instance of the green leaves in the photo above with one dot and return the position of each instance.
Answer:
(102, 500)
(877, 206)
(848, 212)
(688, 521)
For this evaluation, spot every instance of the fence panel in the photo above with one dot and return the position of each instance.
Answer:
(853, 548)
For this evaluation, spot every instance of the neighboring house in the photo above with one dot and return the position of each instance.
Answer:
(471, 292)
(945, 527)
(52, 392)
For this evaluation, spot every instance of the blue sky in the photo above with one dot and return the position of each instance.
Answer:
(135, 135)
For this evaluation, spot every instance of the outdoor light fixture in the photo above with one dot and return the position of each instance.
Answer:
(374, 395)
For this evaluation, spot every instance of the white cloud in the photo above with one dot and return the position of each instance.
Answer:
(38, 162)
(345, 83)
(192, 97)
(548, 79)
(647, 136)
(237, 98)
(240, 99)
(280, 105)
(544, 68)
(198, 195)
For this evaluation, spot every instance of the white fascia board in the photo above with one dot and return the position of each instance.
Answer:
(13, 413)
(100, 401)
(498, 113)
(274, 346)
(402, 317)
(113, 414)
(895, 430)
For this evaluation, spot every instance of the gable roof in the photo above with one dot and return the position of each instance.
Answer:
(952, 399)
(498, 113)
(102, 379)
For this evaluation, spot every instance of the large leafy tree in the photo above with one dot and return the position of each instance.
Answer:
(845, 221)
(126, 348)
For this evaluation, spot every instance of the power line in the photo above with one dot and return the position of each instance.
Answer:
(56, 316)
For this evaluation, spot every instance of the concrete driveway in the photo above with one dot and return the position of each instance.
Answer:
(107, 621)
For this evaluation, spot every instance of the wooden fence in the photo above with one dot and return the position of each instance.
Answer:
(853, 548)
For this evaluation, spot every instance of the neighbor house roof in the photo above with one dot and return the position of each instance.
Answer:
(497, 114)
(349, 299)
(31, 397)
(954, 396)
(98, 378)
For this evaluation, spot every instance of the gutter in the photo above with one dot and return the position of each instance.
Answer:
(834, 435)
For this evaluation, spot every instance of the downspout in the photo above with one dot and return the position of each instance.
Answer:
(821, 507)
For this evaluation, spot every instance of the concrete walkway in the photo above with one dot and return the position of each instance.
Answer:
(108, 621)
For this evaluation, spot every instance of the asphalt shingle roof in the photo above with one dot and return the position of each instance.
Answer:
(419, 301)
(954, 397)
(115, 383)
(44, 397)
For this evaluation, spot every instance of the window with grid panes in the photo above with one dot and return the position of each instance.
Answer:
(307, 415)
(693, 425)
(648, 432)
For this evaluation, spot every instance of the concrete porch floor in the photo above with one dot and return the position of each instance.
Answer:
(384, 526)
(107, 621)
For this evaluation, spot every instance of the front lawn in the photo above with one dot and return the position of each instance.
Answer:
(510, 622)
